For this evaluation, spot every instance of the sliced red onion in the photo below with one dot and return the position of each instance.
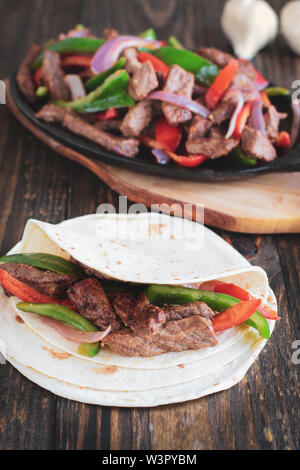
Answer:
(295, 123)
(257, 116)
(77, 336)
(180, 101)
(235, 96)
(76, 87)
(161, 156)
(108, 54)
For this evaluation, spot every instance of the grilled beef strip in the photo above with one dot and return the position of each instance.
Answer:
(127, 147)
(180, 82)
(51, 113)
(142, 82)
(126, 343)
(183, 311)
(257, 145)
(132, 63)
(272, 120)
(222, 111)
(199, 128)
(150, 322)
(90, 300)
(53, 77)
(139, 117)
(109, 125)
(45, 282)
(24, 74)
(222, 58)
(212, 147)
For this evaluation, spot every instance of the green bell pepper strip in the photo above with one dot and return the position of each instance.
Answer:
(120, 100)
(68, 316)
(174, 295)
(68, 46)
(96, 81)
(173, 42)
(238, 158)
(205, 72)
(277, 91)
(115, 84)
(41, 92)
(46, 261)
(149, 34)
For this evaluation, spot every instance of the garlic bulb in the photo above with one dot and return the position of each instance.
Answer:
(289, 23)
(249, 25)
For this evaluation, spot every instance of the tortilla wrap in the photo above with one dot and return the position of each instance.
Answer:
(48, 359)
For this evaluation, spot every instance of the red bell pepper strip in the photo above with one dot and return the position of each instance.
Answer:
(284, 140)
(242, 294)
(235, 315)
(265, 99)
(241, 120)
(37, 77)
(169, 136)
(25, 292)
(111, 113)
(158, 64)
(188, 161)
(221, 83)
(76, 61)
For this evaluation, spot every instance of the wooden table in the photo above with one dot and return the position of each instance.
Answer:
(262, 412)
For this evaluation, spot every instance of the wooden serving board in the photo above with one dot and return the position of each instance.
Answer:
(261, 204)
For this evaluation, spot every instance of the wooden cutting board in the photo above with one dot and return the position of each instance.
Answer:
(262, 204)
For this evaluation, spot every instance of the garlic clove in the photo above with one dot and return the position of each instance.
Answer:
(249, 25)
(289, 25)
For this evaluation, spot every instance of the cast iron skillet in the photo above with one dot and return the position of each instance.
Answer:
(217, 170)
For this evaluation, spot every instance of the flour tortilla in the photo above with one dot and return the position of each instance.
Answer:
(51, 361)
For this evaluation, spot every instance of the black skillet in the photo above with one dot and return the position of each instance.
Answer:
(217, 170)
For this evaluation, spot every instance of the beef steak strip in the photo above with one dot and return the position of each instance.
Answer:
(51, 113)
(45, 282)
(222, 58)
(180, 82)
(199, 127)
(272, 119)
(53, 77)
(256, 145)
(222, 111)
(89, 298)
(187, 310)
(211, 147)
(126, 343)
(150, 322)
(132, 63)
(110, 33)
(142, 82)
(24, 74)
(127, 147)
(109, 125)
(139, 117)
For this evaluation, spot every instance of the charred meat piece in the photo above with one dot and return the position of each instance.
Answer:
(110, 33)
(199, 128)
(272, 120)
(222, 111)
(138, 313)
(211, 147)
(139, 117)
(109, 125)
(51, 113)
(53, 77)
(132, 63)
(142, 82)
(24, 74)
(246, 86)
(180, 82)
(45, 282)
(127, 147)
(256, 145)
(222, 58)
(89, 298)
(126, 343)
(186, 310)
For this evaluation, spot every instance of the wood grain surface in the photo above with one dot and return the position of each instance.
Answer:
(261, 412)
